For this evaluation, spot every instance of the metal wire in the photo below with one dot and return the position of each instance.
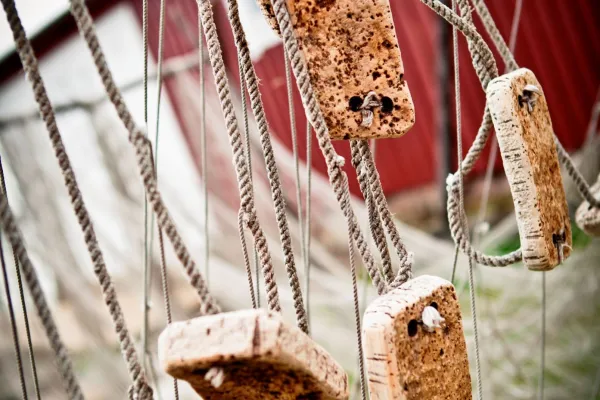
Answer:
(203, 151)
(543, 334)
(23, 309)
(361, 366)
(307, 262)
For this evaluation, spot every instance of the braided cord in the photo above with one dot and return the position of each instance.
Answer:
(143, 157)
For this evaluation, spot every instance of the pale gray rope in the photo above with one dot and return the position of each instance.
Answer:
(377, 232)
(203, 151)
(240, 161)
(357, 317)
(509, 60)
(271, 166)
(23, 309)
(461, 208)
(246, 258)
(307, 229)
(337, 177)
(65, 367)
(30, 66)
(144, 157)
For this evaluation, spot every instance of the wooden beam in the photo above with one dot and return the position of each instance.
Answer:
(407, 357)
(250, 354)
(526, 139)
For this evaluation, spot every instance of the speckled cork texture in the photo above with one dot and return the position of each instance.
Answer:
(526, 141)
(351, 49)
(261, 357)
(588, 218)
(403, 359)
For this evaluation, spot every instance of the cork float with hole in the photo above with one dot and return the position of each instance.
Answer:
(355, 65)
(524, 130)
(588, 218)
(408, 358)
(250, 354)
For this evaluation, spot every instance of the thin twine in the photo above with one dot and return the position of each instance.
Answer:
(295, 151)
(361, 366)
(23, 303)
(204, 151)
(13, 321)
(461, 197)
(307, 230)
(543, 334)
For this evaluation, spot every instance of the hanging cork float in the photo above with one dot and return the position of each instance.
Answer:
(414, 343)
(526, 139)
(354, 64)
(587, 217)
(250, 354)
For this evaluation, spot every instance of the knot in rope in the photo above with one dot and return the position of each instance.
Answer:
(432, 319)
(369, 103)
(215, 376)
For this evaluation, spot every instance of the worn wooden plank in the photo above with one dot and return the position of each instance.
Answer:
(526, 139)
(250, 354)
(588, 218)
(351, 50)
(404, 359)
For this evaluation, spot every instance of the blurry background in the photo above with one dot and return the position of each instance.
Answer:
(558, 40)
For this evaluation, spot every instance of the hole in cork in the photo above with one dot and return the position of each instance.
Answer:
(387, 104)
(355, 103)
(521, 100)
(434, 305)
(413, 325)
(557, 238)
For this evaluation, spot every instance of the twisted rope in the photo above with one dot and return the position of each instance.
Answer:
(375, 224)
(30, 65)
(337, 177)
(143, 157)
(251, 83)
(240, 161)
(9, 226)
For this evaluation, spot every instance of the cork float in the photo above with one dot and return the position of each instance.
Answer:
(250, 354)
(355, 65)
(588, 217)
(524, 130)
(414, 343)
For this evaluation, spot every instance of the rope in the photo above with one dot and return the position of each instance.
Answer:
(307, 230)
(203, 150)
(269, 156)
(246, 258)
(361, 366)
(337, 177)
(7, 221)
(23, 309)
(30, 66)
(241, 165)
(143, 154)
(375, 224)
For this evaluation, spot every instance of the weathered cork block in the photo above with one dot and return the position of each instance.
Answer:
(406, 361)
(351, 49)
(588, 218)
(526, 141)
(260, 357)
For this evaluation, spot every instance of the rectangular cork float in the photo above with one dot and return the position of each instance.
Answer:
(406, 361)
(351, 50)
(530, 158)
(252, 355)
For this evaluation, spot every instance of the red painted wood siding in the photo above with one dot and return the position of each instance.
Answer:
(559, 40)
